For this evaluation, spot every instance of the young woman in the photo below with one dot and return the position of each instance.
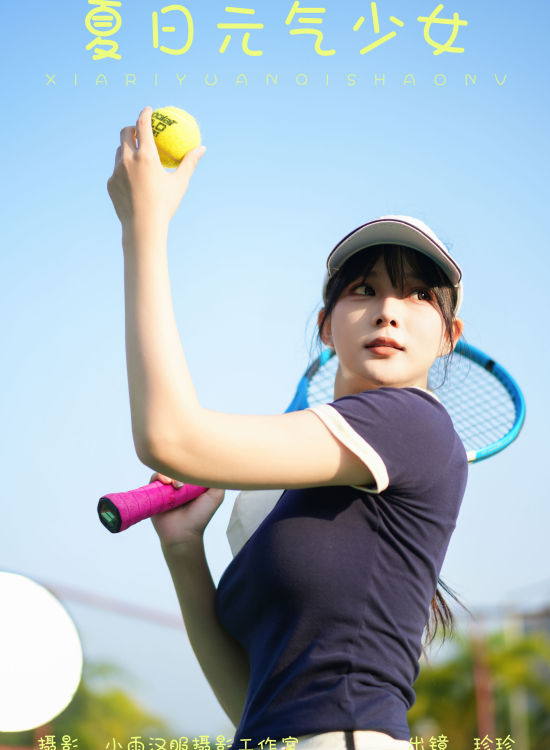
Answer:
(314, 634)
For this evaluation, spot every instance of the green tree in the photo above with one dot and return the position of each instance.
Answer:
(98, 713)
(446, 691)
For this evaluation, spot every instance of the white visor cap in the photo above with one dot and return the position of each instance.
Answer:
(395, 230)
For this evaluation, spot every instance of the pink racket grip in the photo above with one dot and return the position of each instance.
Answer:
(120, 510)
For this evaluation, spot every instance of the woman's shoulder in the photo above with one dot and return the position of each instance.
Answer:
(392, 418)
(404, 435)
(391, 399)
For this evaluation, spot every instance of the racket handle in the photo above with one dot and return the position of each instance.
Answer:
(119, 510)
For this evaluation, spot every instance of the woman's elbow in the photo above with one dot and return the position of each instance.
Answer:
(143, 451)
(159, 455)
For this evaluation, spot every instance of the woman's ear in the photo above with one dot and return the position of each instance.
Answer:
(458, 328)
(458, 325)
(326, 335)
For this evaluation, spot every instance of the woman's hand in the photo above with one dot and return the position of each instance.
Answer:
(185, 523)
(140, 187)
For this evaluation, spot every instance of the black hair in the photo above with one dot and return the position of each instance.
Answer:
(396, 260)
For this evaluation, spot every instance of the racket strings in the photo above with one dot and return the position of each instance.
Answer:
(321, 385)
(480, 406)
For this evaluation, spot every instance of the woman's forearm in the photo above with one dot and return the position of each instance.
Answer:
(161, 390)
(223, 660)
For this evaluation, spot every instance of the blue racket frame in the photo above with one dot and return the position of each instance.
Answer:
(489, 364)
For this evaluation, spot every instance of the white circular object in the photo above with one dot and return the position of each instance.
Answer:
(40, 655)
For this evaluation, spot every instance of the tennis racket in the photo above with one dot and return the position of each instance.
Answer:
(484, 402)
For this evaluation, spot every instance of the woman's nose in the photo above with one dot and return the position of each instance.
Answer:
(387, 312)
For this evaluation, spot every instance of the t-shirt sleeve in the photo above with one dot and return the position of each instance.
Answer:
(404, 436)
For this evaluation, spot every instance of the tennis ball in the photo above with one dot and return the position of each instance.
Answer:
(176, 132)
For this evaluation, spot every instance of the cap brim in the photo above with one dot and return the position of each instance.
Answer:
(390, 231)
(395, 231)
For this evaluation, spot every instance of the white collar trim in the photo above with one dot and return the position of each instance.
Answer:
(425, 390)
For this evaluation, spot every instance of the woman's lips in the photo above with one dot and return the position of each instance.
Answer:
(383, 349)
(383, 345)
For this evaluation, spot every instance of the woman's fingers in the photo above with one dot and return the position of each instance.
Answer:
(156, 477)
(144, 130)
(186, 167)
(128, 138)
(118, 155)
(216, 494)
(190, 161)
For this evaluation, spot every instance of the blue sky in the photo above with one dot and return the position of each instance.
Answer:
(290, 168)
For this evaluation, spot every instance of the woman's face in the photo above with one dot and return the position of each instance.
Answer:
(408, 322)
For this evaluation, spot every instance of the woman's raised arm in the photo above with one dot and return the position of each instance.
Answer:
(172, 432)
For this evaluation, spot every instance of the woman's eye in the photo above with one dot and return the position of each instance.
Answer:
(367, 289)
(423, 294)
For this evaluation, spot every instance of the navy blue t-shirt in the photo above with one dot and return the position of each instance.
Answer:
(331, 594)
